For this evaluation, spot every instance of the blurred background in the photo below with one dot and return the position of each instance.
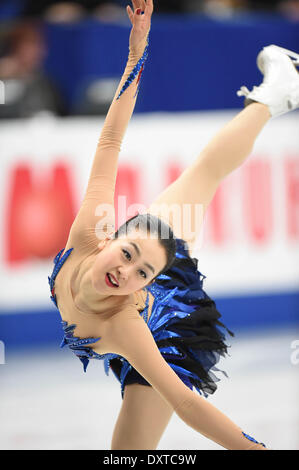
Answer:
(60, 64)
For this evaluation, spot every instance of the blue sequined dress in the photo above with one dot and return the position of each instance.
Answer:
(184, 323)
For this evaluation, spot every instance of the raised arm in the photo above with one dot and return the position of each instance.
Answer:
(133, 340)
(101, 183)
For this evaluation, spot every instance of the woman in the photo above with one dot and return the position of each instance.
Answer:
(134, 298)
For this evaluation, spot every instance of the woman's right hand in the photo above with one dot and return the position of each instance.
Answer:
(141, 24)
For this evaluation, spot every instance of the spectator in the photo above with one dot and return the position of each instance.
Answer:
(99, 8)
(229, 7)
(220, 8)
(290, 9)
(264, 5)
(74, 10)
(27, 90)
(64, 12)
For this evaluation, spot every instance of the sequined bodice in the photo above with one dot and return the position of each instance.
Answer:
(76, 344)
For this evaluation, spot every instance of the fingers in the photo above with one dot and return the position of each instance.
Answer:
(146, 6)
(149, 7)
(139, 4)
(130, 13)
(143, 5)
(135, 4)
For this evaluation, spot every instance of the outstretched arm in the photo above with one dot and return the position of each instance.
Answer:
(132, 339)
(101, 183)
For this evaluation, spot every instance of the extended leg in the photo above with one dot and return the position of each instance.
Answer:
(142, 420)
(197, 185)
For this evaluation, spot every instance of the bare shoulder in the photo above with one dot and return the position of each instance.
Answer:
(123, 328)
(115, 330)
(123, 318)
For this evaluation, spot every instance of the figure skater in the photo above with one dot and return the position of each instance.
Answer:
(136, 301)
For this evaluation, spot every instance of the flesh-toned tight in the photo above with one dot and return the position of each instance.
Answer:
(142, 420)
(197, 185)
(144, 414)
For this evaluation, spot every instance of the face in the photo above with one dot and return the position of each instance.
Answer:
(130, 261)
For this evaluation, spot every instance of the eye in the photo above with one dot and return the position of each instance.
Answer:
(127, 253)
(129, 257)
(145, 276)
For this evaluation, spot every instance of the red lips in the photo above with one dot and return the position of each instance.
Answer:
(108, 282)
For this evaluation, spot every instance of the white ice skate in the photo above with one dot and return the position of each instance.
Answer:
(280, 87)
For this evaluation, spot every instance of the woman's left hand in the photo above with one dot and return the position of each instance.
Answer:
(141, 23)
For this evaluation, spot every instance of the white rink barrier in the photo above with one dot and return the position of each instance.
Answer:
(249, 242)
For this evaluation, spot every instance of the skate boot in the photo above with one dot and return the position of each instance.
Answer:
(280, 87)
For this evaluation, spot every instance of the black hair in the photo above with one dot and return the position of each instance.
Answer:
(156, 227)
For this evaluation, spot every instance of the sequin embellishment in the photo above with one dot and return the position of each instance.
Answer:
(138, 69)
(252, 439)
(58, 262)
(78, 346)
(182, 317)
